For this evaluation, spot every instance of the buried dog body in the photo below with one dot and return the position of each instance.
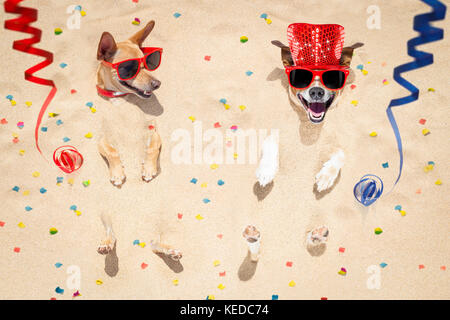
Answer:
(317, 67)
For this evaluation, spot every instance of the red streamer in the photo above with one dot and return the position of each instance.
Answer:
(22, 24)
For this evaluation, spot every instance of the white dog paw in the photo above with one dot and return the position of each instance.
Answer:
(329, 172)
(268, 165)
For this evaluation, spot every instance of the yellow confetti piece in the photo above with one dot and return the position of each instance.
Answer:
(21, 225)
(235, 156)
(214, 166)
(242, 107)
(431, 90)
(36, 174)
(52, 114)
(93, 110)
(88, 135)
(428, 168)
(373, 134)
(99, 282)
(425, 132)
(83, 13)
(292, 283)
(142, 244)
(438, 182)
(369, 62)
(13, 102)
(70, 181)
(365, 72)
(211, 297)
(78, 212)
(354, 102)
(226, 106)
(192, 118)
(28, 103)
(175, 282)
(403, 213)
(15, 135)
(268, 21)
(221, 286)
(385, 82)
(216, 263)
(204, 185)
(199, 217)
(21, 152)
(26, 192)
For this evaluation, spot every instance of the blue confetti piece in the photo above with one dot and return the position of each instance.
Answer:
(28, 208)
(59, 122)
(223, 100)
(42, 190)
(274, 297)
(9, 97)
(385, 165)
(44, 129)
(89, 104)
(220, 182)
(264, 16)
(65, 139)
(78, 8)
(16, 189)
(194, 181)
(59, 290)
(58, 265)
(398, 207)
(383, 264)
(360, 67)
(136, 242)
(59, 179)
(248, 73)
(431, 163)
(63, 65)
(206, 200)
(177, 15)
(73, 207)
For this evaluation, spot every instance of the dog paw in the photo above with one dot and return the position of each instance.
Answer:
(174, 254)
(117, 175)
(149, 171)
(329, 172)
(107, 245)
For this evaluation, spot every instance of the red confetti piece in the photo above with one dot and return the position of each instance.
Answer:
(217, 125)
(222, 274)
(341, 249)
(207, 58)
(289, 264)
(144, 265)
(180, 215)
(15, 140)
(135, 1)
(17, 249)
(421, 266)
(220, 236)
(324, 298)
(352, 86)
(151, 127)
(52, 298)
(443, 268)
(3, 121)
(418, 191)
(422, 121)
(2, 223)
(73, 91)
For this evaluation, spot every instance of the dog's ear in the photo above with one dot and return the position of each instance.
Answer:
(347, 54)
(286, 56)
(142, 34)
(106, 47)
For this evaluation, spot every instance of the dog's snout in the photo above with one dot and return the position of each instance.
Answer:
(155, 84)
(316, 93)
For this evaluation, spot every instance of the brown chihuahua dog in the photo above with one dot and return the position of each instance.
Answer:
(126, 68)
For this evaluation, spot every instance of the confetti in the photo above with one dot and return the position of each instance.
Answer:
(222, 274)
(136, 21)
(292, 283)
(58, 31)
(194, 180)
(268, 21)
(223, 100)
(264, 16)
(341, 249)
(192, 118)
(42, 190)
(76, 294)
(207, 58)
(365, 72)
(248, 73)
(373, 134)
(206, 200)
(16, 249)
(289, 264)
(214, 166)
(52, 114)
(431, 90)
(352, 86)
(21, 225)
(144, 265)
(398, 207)
(99, 282)
(44, 129)
(354, 102)
(216, 263)
(88, 135)
(221, 286)
(135, 242)
(36, 174)
(175, 282)
(217, 125)
(53, 231)
(58, 265)
(242, 107)
(204, 185)
(2, 223)
(20, 124)
(421, 266)
(177, 15)
(443, 268)
(274, 297)
(22, 152)
(243, 39)
(438, 182)
(83, 13)
(385, 82)
(220, 236)
(342, 272)
(59, 290)
(227, 106)
(180, 216)
(86, 183)
(378, 231)
(16, 189)
(360, 67)
(28, 103)
(383, 265)
(63, 65)
(220, 182)
(28, 208)
(142, 244)
(3, 121)
(65, 139)
(9, 97)
(426, 132)
(210, 297)
(385, 165)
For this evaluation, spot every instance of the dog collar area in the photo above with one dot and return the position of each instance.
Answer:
(110, 93)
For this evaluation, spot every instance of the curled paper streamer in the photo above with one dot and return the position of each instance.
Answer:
(368, 189)
(67, 158)
(427, 34)
(22, 24)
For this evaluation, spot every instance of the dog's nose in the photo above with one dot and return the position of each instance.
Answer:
(155, 84)
(316, 93)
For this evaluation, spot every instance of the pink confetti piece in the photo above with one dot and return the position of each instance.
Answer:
(341, 249)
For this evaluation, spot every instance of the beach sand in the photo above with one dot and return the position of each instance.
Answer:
(192, 87)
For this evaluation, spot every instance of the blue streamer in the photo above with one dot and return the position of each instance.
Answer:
(427, 34)
(368, 189)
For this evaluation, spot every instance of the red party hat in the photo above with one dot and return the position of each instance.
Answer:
(315, 44)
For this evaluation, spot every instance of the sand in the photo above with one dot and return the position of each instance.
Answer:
(193, 86)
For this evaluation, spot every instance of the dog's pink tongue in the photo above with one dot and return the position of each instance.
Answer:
(317, 108)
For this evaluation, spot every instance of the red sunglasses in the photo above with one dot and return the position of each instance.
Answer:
(128, 69)
(332, 77)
